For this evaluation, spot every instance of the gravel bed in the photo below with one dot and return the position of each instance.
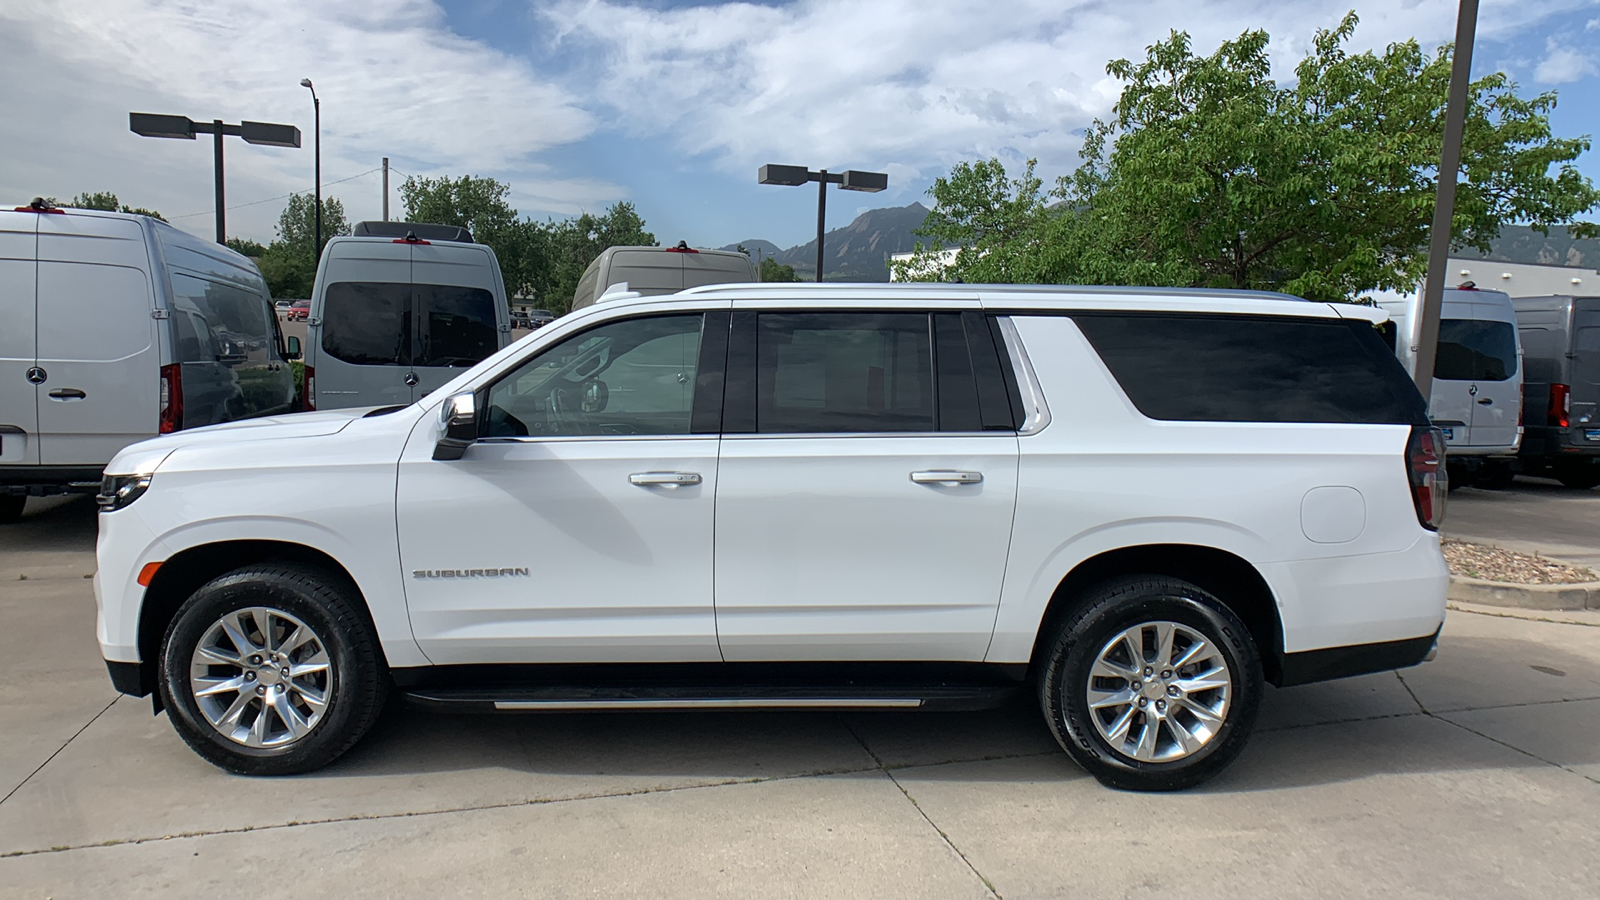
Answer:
(1494, 564)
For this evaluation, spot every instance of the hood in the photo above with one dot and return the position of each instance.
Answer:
(143, 457)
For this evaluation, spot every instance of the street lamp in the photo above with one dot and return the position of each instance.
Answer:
(183, 128)
(851, 180)
(316, 107)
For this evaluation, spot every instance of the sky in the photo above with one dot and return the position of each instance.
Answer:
(578, 104)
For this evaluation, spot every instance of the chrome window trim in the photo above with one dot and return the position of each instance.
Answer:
(1037, 412)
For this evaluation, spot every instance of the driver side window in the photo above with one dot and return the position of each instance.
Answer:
(635, 376)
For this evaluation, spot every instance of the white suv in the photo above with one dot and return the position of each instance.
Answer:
(1143, 505)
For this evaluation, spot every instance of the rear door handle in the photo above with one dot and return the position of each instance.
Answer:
(667, 478)
(946, 476)
(1485, 401)
(68, 394)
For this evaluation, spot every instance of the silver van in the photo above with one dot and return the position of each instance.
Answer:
(1477, 381)
(394, 317)
(651, 271)
(1561, 340)
(117, 328)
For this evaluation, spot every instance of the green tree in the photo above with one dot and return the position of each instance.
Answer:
(247, 247)
(574, 243)
(476, 204)
(289, 263)
(107, 201)
(1209, 173)
(772, 270)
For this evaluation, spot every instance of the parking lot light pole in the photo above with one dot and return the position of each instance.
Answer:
(316, 107)
(184, 128)
(850, 180)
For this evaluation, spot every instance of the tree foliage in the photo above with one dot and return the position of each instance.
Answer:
(107, 202)
(1210, 173)
(772, 270)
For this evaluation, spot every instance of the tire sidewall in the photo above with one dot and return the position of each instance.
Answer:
(1076, 654)
(240, 590)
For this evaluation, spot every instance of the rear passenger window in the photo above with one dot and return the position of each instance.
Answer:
(1244, 369)
(843, 373)
(1473, 350)
(459, 326)
(367, 323)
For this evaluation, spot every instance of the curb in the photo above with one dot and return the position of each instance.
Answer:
(1525, 596)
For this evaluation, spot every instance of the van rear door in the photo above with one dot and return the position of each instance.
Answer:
(19, 404)
(97, 339)
(1585, 396)
(361, 326)
(1497, 386)
(715, 268)
(458, 307)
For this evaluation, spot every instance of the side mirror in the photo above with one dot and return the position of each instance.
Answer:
(294, 348)
(459, 419)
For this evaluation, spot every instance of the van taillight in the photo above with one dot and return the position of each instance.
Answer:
(1430, 483)
(171, 398)
(1561, 406)
(308, 392)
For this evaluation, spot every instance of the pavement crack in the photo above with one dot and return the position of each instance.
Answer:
(69, 740)
(884, 768)
(1414, 698)
(1533, 756)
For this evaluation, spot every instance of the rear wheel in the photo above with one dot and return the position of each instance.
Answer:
(11, 507)
(1152, 685)
(1578, 476)
(271, 670)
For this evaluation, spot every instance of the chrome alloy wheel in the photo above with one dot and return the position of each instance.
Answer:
(261, 677)
(1158, 692)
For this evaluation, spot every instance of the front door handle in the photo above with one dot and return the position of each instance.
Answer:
(668, 478)
(946, 476)
(1487, 401)
(68, 394)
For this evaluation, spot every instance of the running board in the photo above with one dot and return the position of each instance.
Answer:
(568, 698)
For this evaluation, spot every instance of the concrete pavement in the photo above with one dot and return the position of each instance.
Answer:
(1476, 775)
(1534, 515)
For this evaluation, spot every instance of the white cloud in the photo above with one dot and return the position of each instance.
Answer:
(1562, 64)
(393, 79)
(903, 82)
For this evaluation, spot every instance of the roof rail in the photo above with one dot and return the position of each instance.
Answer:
(840, 287)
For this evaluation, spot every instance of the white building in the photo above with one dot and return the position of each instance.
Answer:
(1523, 279)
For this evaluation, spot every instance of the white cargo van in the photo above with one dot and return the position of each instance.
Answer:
(398, 309)
(652, 271)
(115, 328)
(1477, 380)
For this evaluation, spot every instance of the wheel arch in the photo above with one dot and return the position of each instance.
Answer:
(1227, 576)
(185, 572)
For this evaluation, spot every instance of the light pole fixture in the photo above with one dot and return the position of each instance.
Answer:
(184, 128)
(316, 108)
(849, 180)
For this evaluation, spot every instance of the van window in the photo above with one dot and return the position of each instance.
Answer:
(1475, 350)
(1254, 369)
(633, 377)
(1586, 348)
(367, 323)
(459, 327)
(226, 340)
(843, 373)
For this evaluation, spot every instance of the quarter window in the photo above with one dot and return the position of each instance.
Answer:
(636, 376)
(843, 373)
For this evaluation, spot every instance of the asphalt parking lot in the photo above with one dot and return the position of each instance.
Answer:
(1476, 775)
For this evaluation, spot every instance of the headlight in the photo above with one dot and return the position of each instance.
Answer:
(117, 491)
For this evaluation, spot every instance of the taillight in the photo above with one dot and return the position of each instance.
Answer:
(171, 398)
(308, 393)
(1430, 483)
(1561, 406)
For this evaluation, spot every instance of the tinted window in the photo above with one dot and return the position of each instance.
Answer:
(843, 372)
(1586, 350)
(635, 376)
(225, 336)
(459, 325)
(367, 323)
(1242, 369)
(1470, 350)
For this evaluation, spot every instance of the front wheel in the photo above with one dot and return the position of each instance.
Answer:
(271, 670)
(1152, 685)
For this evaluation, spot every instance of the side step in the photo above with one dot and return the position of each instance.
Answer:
(568, 698)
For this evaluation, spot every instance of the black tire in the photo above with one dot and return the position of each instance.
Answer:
(1105, 612)
(1579, 477)
(323, 602)
(11, 507)
(1495, 477)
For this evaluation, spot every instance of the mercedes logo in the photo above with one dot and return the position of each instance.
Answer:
(411, 379)
(37, 375)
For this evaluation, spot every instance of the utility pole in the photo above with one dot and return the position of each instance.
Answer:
(1455, 115)
(386, 188)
